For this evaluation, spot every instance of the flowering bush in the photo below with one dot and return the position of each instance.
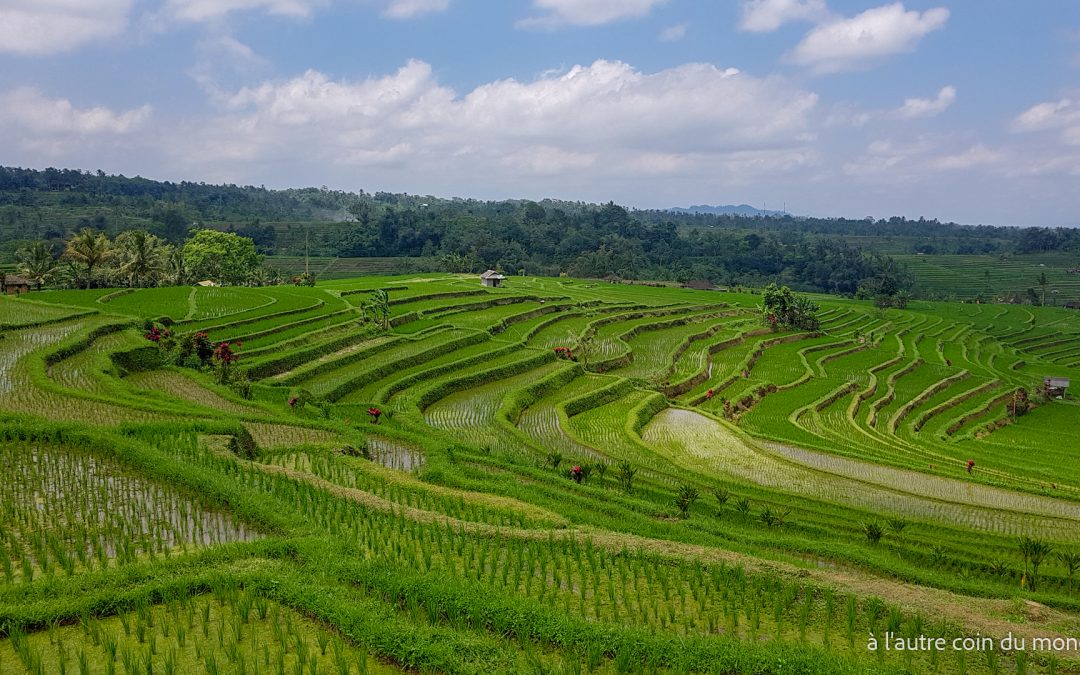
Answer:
(564, 353)
(156, 334)
(225, 356)
(709, 395)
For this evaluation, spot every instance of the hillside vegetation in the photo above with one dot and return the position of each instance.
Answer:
(416, 473)
(336, 234)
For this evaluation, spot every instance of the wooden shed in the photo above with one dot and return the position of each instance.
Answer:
(13, 285)
(1056, 387)
(491, 279)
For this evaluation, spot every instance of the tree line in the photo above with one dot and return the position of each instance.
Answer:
(548, 237)
(137, 258)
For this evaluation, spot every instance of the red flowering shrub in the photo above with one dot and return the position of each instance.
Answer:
(156, 334)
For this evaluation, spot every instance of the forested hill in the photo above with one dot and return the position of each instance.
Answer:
(548, 237)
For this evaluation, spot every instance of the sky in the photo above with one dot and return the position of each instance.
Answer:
(961, 110)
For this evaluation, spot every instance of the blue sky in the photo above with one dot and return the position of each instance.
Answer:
(962, 110)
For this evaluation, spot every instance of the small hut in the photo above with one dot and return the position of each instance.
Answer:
(699, 285)
(13, 285)
(491, 279)
(613, 279)
(1056, 387)
(1072, 304)
(207, 283)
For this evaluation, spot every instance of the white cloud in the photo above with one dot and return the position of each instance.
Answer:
(408, 9)
(976, 156)
(32, 112)
(859, 41)
(36, 27)
(1051, 115)
(208, 10)
(764, 16)
(597, 122)
(586, 12)
(1063, 115)
(920, 159)
(926, 107)
(674, 33)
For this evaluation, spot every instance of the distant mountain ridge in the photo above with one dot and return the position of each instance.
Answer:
(727, 209)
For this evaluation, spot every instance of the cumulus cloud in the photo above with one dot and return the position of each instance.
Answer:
(765, 16)
(409, 9)
(927, 107)
(32, 112)
(674, 33)
(586, 12)
(602, 120)
(1063, 115)
(37, 27)
(857, 42)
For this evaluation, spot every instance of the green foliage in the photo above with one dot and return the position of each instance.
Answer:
(222, 257)
(873, 532)
(685, 498)
(783, 309)
(625, 472)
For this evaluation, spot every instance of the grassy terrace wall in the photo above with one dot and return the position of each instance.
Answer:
(382, 500)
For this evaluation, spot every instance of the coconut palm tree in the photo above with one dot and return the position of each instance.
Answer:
(174, 265)
(36, 263)
(142, 256)
(88, 248)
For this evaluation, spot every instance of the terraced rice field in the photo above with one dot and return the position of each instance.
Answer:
(684, 490)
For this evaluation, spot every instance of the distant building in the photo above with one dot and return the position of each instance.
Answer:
(491, 279)
(13, 285)
(1056, 387)
(613, 279)
(699, 285)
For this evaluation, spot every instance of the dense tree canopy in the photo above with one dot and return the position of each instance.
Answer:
(220, 256)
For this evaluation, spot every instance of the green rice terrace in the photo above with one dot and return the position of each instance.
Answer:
(415, 473)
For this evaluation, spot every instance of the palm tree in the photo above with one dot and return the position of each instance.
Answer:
(37, 263)
(1043, 281)
(1034, 552)
(1070, 560)
(174, 265)
(88, 248)
(142, 256)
